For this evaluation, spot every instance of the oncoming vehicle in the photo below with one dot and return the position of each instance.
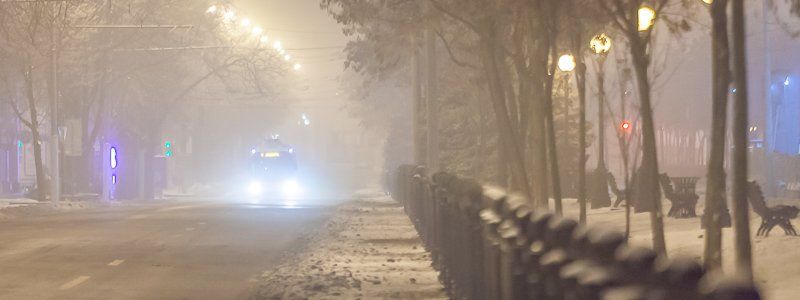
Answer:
(273, 171)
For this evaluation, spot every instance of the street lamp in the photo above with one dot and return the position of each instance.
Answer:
(228, 16)
(566, 63)
(297, 67)
(257, 30)
(287, 57)
(601, 45)
(246, 22)
(647, 17)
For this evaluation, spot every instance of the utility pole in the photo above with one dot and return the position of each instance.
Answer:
(55, 168)
(416, 69)
(430, 95)
(769, 128)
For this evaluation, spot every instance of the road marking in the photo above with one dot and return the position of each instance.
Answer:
(116, 262)
(190, 229)
(74, 282)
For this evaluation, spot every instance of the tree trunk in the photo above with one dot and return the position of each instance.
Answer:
(432, 163)
(555, 178)
(539, 148)
(580, 80)
(715, 180)
(41, 179)
(507, 132)
(419, 144)
(741, 220)
(649, 190)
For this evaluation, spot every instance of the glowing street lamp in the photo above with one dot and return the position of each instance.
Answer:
(566, 63)
(228, 16)
(647, 17)
(297, 67)
(246, 22)
(264, 39)
(212, 9)
(600, 44)
(277, 45)
(257, 30)
(287, 57)
(708, 1)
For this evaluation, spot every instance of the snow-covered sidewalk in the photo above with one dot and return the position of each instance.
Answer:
(776, 258)
(16, 202)
(369, 250)
(24, 207)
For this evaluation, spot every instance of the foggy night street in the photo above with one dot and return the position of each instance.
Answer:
(400, 149)
(168, 250)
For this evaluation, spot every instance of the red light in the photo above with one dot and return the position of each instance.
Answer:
(626, 126)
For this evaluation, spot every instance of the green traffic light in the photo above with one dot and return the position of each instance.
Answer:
(167, 144)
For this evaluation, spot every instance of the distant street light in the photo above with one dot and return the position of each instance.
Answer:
(246, 22)
(708, 1)
(566, 63)
(228, 16)
(647, 17)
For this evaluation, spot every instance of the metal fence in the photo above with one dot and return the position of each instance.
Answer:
(487, 244)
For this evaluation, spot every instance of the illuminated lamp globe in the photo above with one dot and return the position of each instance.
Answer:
(600, 44)
(566, 63)
(647, 17)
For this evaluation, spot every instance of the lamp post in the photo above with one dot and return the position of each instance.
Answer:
(601, 45)
(566, 64)
(647, 17)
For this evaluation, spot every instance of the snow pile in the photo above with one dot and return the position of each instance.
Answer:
(368, 250)
(14, 208)
(16, 202)
(776, 258)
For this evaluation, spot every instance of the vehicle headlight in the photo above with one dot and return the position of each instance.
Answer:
(255, 188)
(291, 188)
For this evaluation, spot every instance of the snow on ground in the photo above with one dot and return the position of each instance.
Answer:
(16, 202)
(23, 207)
(368, 250)
(776, 257)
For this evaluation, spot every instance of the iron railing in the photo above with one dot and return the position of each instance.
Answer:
(487, 244)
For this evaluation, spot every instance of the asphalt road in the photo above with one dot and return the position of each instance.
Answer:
(167, 250)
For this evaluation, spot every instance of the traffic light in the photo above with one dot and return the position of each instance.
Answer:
(168, 149)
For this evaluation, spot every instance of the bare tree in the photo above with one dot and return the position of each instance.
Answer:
(715, 184)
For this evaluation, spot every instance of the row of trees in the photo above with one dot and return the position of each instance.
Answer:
(122, 66)
(495, 96)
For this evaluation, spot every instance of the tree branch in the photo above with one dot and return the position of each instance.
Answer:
(450, 53)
